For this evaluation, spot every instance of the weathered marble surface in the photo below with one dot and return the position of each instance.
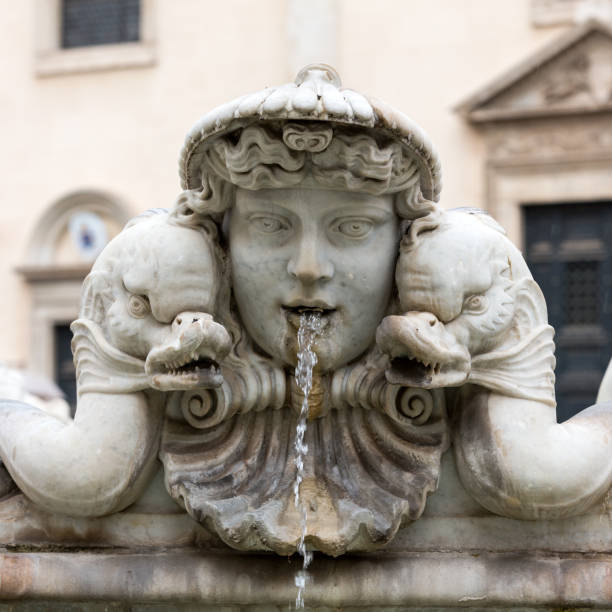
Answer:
(417, 580)
(456, 556)
(309, 199)
(475, 322)
(186, 343)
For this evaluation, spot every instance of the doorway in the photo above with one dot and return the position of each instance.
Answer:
(65, 374)
(568, 247)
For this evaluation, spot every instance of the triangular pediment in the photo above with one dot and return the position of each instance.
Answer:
(572, 75)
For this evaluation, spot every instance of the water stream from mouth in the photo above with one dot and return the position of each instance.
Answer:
(310, 328)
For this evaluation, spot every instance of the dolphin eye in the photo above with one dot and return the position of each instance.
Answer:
(475, 304)
(138, 306)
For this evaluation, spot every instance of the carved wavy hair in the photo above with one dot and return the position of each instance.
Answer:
(314, 154)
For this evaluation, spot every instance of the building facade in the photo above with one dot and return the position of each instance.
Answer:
(98, 95)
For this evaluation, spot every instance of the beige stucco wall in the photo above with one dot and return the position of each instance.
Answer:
(426, 57)
(120, 130)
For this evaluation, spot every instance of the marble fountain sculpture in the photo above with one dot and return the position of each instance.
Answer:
(310, 201)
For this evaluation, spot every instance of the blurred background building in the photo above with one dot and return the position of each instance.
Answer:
(97, 96)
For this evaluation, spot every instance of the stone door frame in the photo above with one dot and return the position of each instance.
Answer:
(549, 162)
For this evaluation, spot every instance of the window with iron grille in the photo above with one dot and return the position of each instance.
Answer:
(569, 251)
(99, 22)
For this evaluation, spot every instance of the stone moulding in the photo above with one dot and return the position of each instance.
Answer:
(420, 580)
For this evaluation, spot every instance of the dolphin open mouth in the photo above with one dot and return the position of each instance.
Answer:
(422, 352)
(412, 369)
(186, 372)
(190, 358)
(196, 364)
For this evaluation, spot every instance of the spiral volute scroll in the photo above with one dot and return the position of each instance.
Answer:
(242, 391)
(363, 387)
(200, 408)
(412, 406)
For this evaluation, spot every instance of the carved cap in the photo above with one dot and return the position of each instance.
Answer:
(315, 95)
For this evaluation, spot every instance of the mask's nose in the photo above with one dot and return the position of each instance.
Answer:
(310, 263)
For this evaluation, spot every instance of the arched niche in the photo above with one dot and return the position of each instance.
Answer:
(49, 246)
(54, 268)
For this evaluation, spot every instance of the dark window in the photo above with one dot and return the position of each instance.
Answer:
(65, 375)
(569, 252)
(99, 22)
(582, 301)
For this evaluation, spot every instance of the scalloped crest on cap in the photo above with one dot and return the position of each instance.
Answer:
(316, 96)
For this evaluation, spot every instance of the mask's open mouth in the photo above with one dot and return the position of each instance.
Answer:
(294, 313)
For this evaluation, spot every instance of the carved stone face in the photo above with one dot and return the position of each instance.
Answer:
(299, 249)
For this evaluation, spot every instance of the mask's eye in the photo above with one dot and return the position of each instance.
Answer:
(138, 306)
(268, 225)
(475, 304)
(355, 227)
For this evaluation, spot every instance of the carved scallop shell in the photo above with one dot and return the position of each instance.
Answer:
(367, 472)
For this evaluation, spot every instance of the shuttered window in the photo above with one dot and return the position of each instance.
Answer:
(569, 252)
(99, 22)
